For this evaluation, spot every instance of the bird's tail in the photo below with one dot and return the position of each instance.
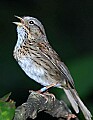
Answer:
(76, 101)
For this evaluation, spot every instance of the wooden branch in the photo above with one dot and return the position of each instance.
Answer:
(46, 102)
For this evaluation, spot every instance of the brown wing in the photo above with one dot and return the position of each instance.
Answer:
(47, 52)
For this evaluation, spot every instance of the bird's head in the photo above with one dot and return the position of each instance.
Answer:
(30, 26)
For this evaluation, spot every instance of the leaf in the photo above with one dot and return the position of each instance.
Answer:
(7, 109)
(6, 97)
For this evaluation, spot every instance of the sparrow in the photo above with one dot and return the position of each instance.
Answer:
(41, 63)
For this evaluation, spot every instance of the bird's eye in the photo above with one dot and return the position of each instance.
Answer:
(31, 22)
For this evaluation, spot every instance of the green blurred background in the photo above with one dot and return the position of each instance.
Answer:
(69, 27)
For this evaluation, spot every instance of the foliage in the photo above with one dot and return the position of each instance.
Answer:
(7, 108)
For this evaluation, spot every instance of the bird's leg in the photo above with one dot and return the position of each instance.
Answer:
(44, 94)
(42, 90)
(46, 87)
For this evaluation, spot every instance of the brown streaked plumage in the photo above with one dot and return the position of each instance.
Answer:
(41, 63)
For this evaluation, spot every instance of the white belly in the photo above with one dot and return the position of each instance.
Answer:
(34, 71)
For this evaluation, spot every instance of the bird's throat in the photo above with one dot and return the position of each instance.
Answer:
(22, 36)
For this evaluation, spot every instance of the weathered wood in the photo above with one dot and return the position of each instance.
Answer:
(46, 102)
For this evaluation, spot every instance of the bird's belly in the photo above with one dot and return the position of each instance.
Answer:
(34, 71)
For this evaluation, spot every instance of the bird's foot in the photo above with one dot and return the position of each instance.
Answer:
(50, 94)
(69, 116)
(46, 95)
(41, 94)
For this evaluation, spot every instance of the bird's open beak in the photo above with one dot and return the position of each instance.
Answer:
(21, 21)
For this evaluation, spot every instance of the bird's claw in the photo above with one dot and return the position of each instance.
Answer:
(69, 116)
(50, 94)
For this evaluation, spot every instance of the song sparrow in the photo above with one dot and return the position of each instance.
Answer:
(41, 63)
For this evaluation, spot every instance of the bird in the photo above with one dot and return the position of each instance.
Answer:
(41, 62)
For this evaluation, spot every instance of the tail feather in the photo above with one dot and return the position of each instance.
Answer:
(76, 101)
(72, 100)
(83, 108)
